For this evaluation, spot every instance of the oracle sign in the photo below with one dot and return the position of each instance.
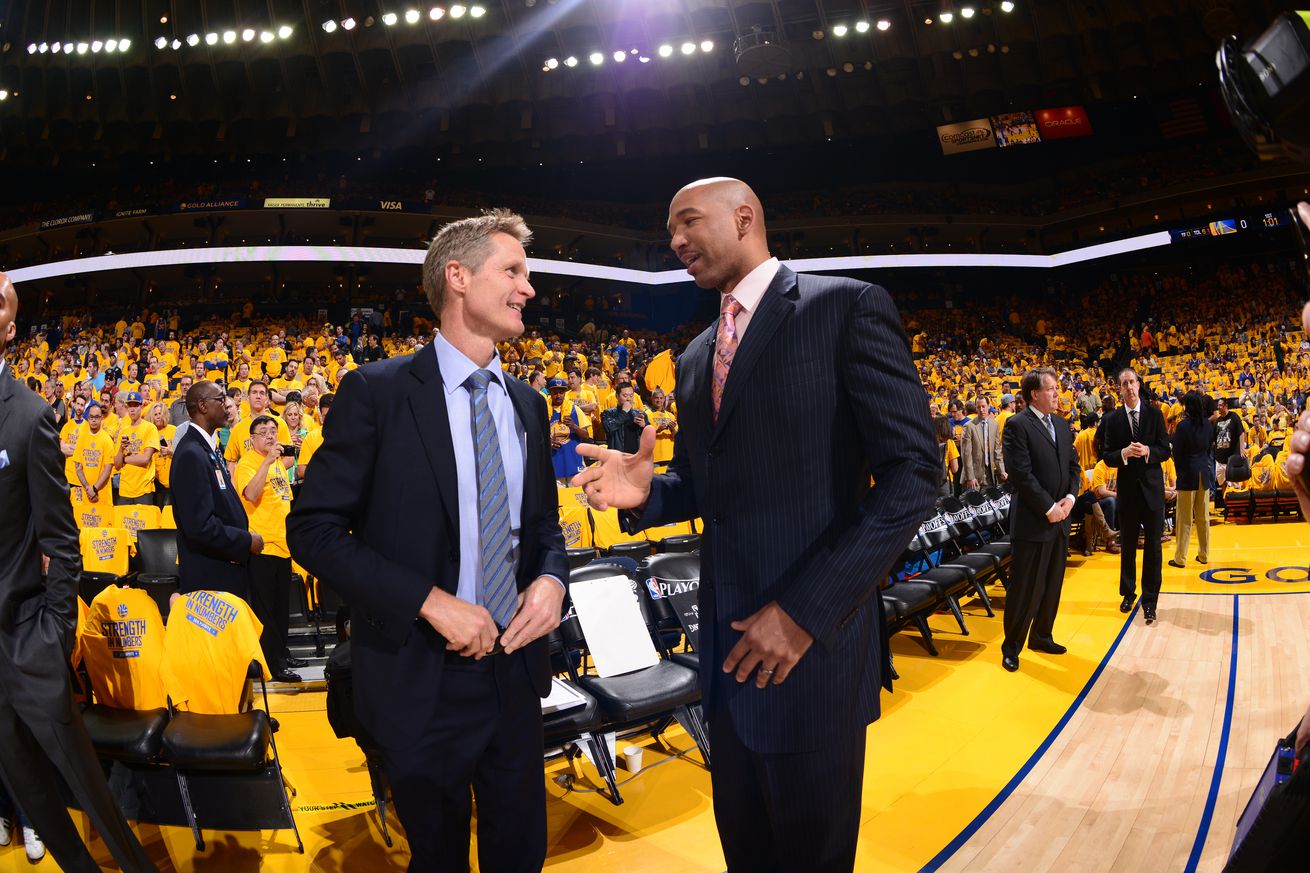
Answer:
(1063, 122)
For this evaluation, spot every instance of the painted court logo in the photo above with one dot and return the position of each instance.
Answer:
(1248, 575)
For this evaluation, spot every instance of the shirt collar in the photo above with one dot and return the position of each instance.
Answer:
(456, 366)
(751, 288)
(2, 366)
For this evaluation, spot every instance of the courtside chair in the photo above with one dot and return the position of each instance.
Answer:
(952, 580)
(157, 551)
(663, 570)
(567, 728)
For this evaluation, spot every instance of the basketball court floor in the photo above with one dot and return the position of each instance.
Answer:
(1136, 750)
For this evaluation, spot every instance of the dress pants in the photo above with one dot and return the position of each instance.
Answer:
(1135, 516)
(782, 813)
(270, 598)
(1193, 511)
(487, 738)
(1033, 595)
(36, 750)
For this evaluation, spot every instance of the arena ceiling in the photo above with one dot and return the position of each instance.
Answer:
(493, 78)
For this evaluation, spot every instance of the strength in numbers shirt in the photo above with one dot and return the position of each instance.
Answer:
(122, 644)
(211, 638)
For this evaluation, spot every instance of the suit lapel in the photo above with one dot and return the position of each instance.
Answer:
(534, 430)
(7, 383)
(694, 375)
(775, 305)
(427, 402)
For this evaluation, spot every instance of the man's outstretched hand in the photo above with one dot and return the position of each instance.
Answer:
(618, 479)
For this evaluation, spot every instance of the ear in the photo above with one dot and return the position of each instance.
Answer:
(744, 218)
(456, 276)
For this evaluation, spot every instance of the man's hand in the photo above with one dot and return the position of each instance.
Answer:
(538, 613)
(1057, 513)
(67, 449)
(91, 493)
(1139, 450)
(256, 543)
(772, 641)
(618, 479)
(467, 627)
(971, 484)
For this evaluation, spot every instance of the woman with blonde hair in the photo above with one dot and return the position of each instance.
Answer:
(157, 415)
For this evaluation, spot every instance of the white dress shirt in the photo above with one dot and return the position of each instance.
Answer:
(749, 291)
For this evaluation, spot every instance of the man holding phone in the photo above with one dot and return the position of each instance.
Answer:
(138, 441)
(265, 491)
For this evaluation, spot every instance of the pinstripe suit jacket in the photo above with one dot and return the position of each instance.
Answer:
(822, 393)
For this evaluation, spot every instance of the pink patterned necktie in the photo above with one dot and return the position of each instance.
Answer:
(725, 348)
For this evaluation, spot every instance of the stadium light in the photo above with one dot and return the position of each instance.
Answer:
(229, 36)
(82, 48)
(861, 27)
(436, 13)
(478, 11)
(707, 45)
(124, 44)
(284, 32)
(411, 16)
(457, 11)
(111, 45)
(596, 59)
(56, 47)
(570, 61)
(248, 35)
(643, 59)
(348, 24)
(884, 25)
(390, 19)
(31, 48)
(839, 30)
(688, 48)
(1007, 6)
(96, 46)
(161, 42)
(43, 48)
(666, 50)
(176, 44)
(266, 36)
(4, 95)
(552, 63)
(620, 57)
(946, 17)
(966, 12)
(329, 26)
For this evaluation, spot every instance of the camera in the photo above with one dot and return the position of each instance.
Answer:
(288, 451)
(1266, 86)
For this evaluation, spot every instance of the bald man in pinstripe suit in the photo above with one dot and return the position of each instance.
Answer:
(788, 403)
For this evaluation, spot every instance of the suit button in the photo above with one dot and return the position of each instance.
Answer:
(709, 456)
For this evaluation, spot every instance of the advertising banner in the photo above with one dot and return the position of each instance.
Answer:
(1063, 122)
(966, 136)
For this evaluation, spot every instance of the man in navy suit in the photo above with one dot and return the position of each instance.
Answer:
(1043, 468)
(214, 540)
(802, 390)
(431, 508)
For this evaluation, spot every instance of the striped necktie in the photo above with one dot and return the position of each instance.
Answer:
(497, 590)
(1050, 427)
(1132, 422)
(725, 349)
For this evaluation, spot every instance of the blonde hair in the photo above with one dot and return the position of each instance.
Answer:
(298, 408)
(467, 241)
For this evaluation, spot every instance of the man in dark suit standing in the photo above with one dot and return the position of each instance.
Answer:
(42, 737)
(1043, 468)
(431, 508)
(214, 541)
(1134, 439)
(801, 390)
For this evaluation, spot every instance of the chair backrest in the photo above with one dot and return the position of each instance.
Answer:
(672, 566)
(122, 642)
(211, 638)
(574, 518)
(105, 550)
(934, 533)
(158, 552)
(137, 518)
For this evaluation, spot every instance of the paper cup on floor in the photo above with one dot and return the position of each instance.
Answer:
(632, 758)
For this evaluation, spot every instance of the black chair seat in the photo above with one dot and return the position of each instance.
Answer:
(911, 596)
(196, 741)
(636, 550)
(568, 724)
(580, 557)
(690, 660)
(680, 544)
(645, 693)
(133, 736)
(977, 561)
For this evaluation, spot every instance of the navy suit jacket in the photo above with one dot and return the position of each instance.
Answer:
(822, 394)
(378, 520)
(213, 532)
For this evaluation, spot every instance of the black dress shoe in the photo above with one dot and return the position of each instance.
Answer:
(1149, 612)
(1200, 560)
(1127, 604)
(1173, 563)
(1050, 647)
(286, 676)
(296, 663)
(1010, 663)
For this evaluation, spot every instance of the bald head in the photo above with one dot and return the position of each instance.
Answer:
(717, 230)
